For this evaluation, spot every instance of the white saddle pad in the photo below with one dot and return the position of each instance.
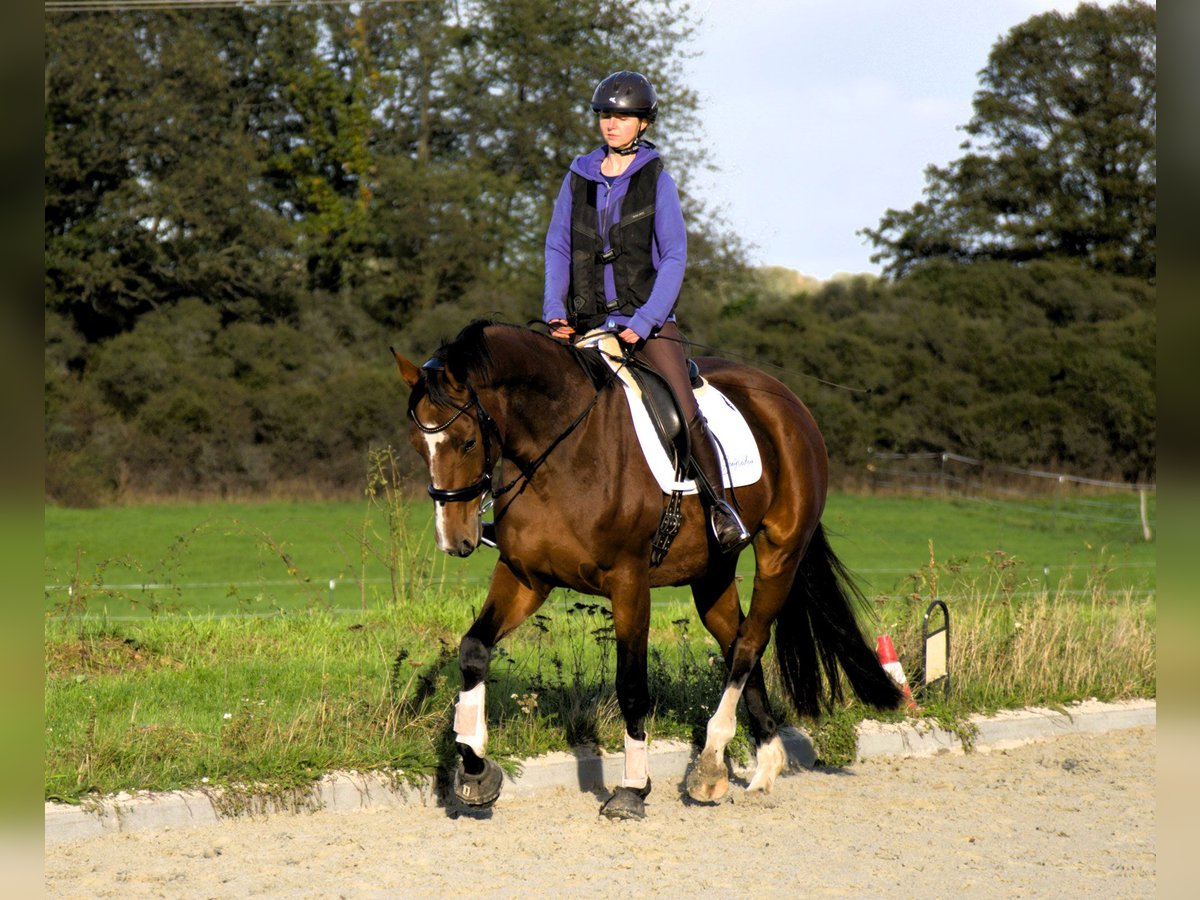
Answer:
(741, 461)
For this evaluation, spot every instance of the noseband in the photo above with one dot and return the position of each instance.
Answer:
(486, 423)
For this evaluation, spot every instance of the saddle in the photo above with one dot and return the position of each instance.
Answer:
(660, 424)
(662, 407)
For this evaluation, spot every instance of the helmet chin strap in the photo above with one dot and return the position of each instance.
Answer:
(630, 148)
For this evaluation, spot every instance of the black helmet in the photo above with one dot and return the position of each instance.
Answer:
(627, 93)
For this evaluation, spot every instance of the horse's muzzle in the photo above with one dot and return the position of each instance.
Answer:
(462, 548)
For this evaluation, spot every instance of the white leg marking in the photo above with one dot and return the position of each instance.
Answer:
(772, 757)
(723, 725)
(470, 723)
(637, 763)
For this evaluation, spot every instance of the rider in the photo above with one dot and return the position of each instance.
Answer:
(617, 246)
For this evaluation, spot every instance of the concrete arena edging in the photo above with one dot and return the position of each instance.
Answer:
(581, 769)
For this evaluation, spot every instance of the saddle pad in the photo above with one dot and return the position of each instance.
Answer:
(725, 421)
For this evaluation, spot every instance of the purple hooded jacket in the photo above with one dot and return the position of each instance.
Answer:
(668, 250)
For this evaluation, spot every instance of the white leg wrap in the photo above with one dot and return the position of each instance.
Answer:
(470, 724)
(637, 763)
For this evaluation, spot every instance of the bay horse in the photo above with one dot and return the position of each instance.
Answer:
(579, 510)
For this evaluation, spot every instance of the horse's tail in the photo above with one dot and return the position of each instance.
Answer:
(818, 629)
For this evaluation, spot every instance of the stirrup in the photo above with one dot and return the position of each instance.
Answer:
(727, 527)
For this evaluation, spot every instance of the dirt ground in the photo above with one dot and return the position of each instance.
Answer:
(1067, 817)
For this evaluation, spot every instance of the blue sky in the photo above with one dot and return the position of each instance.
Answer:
(823, 114)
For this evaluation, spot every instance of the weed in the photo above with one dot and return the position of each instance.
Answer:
(407, 554)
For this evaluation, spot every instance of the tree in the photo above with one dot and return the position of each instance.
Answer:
(153, 168)
(1061, 159)
(245, 206)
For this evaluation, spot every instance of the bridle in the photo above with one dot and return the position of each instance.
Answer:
(486, 423)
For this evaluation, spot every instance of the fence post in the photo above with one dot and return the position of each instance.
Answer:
(1146, 533)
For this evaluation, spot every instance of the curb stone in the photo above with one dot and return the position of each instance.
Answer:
(582, 769)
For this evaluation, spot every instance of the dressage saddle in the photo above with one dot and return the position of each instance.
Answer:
(663, 409)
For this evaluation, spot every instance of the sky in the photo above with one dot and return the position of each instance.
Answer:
(823, 114)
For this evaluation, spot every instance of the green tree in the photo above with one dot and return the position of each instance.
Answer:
(1043, 364)
(1061, 158)
(153, 169)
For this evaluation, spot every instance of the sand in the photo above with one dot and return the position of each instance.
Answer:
(1071, 816)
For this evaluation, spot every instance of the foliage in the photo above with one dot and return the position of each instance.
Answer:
(1061, 156)
(245, 207)
(1041, 364)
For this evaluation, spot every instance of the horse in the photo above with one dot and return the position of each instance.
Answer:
(580, 509)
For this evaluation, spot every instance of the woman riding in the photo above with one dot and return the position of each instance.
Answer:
(617, 247)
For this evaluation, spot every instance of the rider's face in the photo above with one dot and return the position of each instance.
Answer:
(618, 130)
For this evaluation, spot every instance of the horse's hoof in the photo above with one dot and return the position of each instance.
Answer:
(708, 781)
(626, 803)
(481, 790)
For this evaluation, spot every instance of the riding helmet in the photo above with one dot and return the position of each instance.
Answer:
(627, 93)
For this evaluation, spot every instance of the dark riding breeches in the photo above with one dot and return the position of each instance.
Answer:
(667, 354)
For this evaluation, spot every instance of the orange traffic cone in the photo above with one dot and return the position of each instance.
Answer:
(891, 664)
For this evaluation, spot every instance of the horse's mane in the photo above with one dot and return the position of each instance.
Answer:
(469, 357)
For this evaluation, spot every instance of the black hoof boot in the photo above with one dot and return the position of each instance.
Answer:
(727, 526)
(626, 803)
(482, 790)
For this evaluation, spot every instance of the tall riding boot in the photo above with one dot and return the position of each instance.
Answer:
(727, 526)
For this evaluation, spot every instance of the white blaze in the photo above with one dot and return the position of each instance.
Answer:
(433, 443)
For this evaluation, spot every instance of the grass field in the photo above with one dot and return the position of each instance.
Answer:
(258, 558)
(241, 666)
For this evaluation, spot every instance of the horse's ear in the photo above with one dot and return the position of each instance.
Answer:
(409, 372)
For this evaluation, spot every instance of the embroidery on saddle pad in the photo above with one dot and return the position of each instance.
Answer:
(724, 420)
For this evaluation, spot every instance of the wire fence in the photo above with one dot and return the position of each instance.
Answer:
(1018, 497)
(1054, 497)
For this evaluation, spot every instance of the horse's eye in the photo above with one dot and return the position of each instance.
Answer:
(469, 446)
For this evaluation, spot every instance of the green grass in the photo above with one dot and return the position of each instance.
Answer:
(259, 558)
(171, 702)
(885, 540)
(148, 689)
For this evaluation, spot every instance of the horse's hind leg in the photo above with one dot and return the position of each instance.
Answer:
(769, 753)
(717, 602)
(509, 603)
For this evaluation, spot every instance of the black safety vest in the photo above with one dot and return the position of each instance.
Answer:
(629, 241)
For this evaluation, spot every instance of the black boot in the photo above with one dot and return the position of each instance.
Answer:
(727, 526)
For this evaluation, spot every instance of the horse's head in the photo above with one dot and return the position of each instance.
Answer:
(453, 434)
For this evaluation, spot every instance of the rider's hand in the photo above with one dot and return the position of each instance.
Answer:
(629, 336)
(559, 328)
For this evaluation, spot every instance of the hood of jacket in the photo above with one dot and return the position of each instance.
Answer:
(588, 165)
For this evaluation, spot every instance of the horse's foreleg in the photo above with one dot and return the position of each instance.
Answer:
(509, 602)
(631, 624)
